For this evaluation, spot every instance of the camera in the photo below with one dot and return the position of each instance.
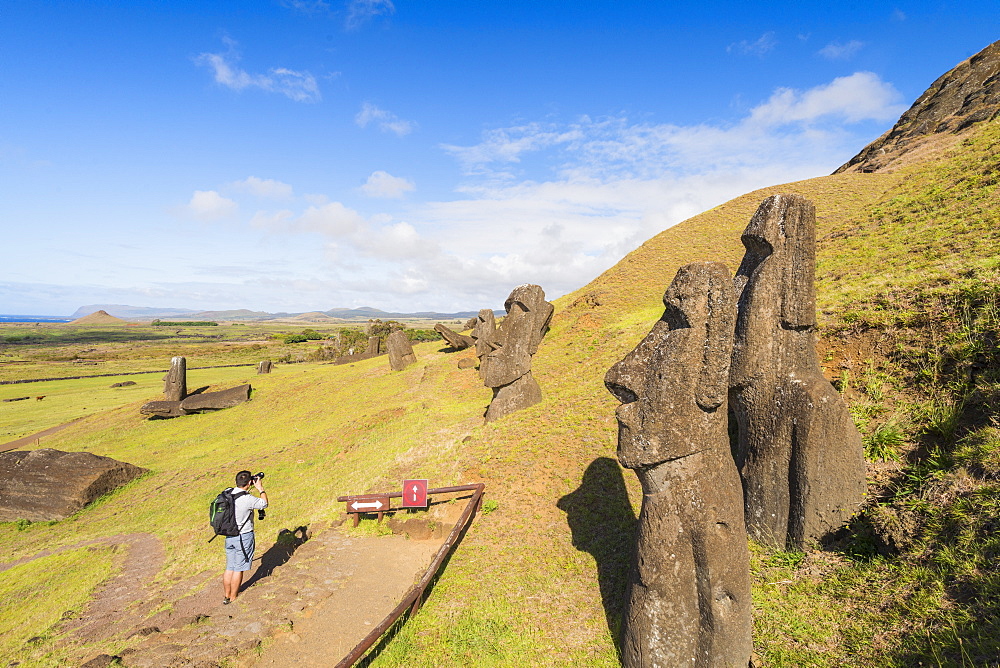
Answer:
(254, 479)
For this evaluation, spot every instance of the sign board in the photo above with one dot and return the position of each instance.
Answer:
(414, 494)
(372, 505)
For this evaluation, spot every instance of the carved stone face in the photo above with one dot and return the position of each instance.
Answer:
(517, 337)
(776, 283)
(678, 372)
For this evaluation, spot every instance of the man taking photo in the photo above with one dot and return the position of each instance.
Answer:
(239, 549)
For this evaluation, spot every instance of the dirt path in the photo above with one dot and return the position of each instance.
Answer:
(314, 599)
(383, 571)
(28, 440)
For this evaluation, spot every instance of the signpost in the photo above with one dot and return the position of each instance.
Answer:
(414, 494)
(374, 504)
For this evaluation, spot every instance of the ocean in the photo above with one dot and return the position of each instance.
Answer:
(33, 318)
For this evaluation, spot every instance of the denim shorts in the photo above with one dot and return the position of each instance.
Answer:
(236, 560)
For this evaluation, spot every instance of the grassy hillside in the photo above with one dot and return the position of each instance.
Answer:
(908, 292)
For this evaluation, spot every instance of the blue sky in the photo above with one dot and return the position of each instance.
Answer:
(300, 155)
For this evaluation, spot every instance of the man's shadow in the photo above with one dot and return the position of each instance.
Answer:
(278, 554)
(603, 523)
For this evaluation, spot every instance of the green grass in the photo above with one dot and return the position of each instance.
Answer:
(34, 596)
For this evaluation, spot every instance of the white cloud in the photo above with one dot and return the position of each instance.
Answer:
(386, 120)
(210, 205)
(268, 188)
(383, 184)
(858, 97)
(298, 86)
(360, 11)
(307, 6)
(557, 203)
(763, 44)
(838, 51)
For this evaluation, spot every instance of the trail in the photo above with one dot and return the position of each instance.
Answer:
(28, 440)
(316, 599)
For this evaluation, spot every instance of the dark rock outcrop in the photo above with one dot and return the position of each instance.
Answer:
(507, 366)
(400, 351)
(43, 485)
(799, 453)
(688, 602)
(967, 94)
(175, 382)
(124, 383)
(453, 338)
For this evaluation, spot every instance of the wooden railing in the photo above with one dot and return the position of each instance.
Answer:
(411, 601)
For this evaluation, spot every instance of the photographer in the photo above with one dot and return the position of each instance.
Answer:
(239, 549)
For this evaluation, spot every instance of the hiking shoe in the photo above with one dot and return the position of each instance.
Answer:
(226, 601)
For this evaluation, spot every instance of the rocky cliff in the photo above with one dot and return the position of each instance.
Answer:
(967, 94)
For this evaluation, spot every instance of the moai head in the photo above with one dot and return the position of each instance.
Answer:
(678, 375)
(518, 336)
(776, 282)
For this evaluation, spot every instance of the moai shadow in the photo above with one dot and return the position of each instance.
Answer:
(506, 367)
(799, 453)
(689, 590)
(602, 522)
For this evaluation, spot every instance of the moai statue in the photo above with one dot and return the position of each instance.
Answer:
(264, 366)
(688, 602)
(799, 453)
(484, 333)
(453, 338)
(506, 367)
(175, 382)
(400, 351)
(374, 346)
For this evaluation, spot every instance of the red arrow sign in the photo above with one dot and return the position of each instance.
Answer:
(414, 494)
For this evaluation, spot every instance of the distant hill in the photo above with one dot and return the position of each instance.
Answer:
(362, 314)
(99, 317)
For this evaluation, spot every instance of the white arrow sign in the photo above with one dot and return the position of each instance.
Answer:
(415, 490)
(357, 505)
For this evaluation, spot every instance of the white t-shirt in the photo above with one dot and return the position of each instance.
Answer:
(245, 505)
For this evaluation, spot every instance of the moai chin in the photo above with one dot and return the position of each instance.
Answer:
(175, 382)
(688, 602)
(799, 453)
(506, 365)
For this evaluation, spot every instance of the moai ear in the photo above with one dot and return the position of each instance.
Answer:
(798, 295)
(719, 323)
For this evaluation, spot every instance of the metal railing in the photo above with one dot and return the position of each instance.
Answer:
(414, 596)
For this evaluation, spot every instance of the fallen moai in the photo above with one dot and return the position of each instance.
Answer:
(124, 383)
(507, 366)
(175, 382)
(400, 351)
(44, 485)
(688, 601)
(453, 338)
(800, 454)
(197, 403)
